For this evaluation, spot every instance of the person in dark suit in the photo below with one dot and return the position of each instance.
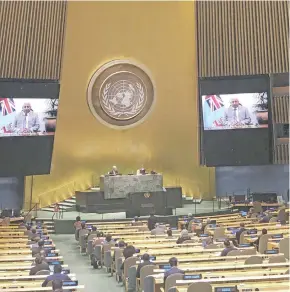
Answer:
(264, 231)
(239, 232)
(265, 218)
(152, 220)
(145, 262)
(114, 171)
(227, 249)
(57, 275)
(37, 249)
(174, 269)
(40, 264)
(57, 286)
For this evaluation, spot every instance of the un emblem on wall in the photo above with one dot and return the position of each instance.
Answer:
(120, 94)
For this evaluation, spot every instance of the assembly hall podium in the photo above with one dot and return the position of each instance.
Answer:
(120, 186)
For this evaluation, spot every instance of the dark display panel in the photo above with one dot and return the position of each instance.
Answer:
(238, 107)
(28, 112)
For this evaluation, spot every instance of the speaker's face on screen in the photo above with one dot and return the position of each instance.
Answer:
(26, 107)
(235, 102)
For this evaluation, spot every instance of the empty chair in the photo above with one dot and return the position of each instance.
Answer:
(235, 252)
(257, 207)
(249, 251)
(43, 272)
(144, 272)
(189, 241)
(263, 243)
(281, 216)
(254, 260)
(219, 232)
(242, 237)
(273, 219)
(200, 287)
(284, 247)
(277, 259)
(129, 262)
(171, 281)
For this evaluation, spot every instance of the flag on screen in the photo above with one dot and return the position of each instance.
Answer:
(7, 114)
(213, 111)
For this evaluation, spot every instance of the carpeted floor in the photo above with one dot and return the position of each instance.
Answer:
(94, 280)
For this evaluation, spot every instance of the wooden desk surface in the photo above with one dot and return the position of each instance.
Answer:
(262, 286)
(28, 277)
(35, 289)
(22, 269)
(21, 258)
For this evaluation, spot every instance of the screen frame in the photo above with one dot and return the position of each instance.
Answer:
(221, 81)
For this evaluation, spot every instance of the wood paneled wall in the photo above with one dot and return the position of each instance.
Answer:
(31, 39)
(280, 109)
(242, 37)
(281, 154)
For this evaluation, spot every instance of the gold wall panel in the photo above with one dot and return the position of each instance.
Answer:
(159, 35)
(31, 38)
(242, 37)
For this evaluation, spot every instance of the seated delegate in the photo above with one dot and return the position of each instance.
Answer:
(57, 275)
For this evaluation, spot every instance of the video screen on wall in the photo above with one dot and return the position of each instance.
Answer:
(236, 120)
(27, 116)
(28, 123)
(235, 111)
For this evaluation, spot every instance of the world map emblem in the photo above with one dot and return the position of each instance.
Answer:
(120, 93)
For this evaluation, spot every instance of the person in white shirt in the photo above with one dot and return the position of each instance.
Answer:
(26, 121)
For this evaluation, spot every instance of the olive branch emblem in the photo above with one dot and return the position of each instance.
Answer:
(137, 106)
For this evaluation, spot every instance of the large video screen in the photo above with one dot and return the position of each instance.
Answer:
(235, 111)
(27, 116)
(236, 120)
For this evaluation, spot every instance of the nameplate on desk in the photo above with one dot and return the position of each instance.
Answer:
(192, 277)
(52, 255)
(65, 271)
(49, 248)
(164, 267)
(70, 283)
(44, 237)
(53, 263)
(203, 235)
(277, 236)
(47, 242)
(244, 245)
(271, 251)
(226, 289)
(152, 258)
(220, 240)
(253, 231)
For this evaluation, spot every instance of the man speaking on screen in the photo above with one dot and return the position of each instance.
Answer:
(26, 121)
(237, 115)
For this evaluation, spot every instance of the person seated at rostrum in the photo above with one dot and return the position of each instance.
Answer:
(40, 264)
(183, 236)
(174, 269)
(57, 275)
(121, 244)
(144, 262)
(228, 247)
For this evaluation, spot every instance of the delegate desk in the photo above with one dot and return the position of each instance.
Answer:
(120, 186)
